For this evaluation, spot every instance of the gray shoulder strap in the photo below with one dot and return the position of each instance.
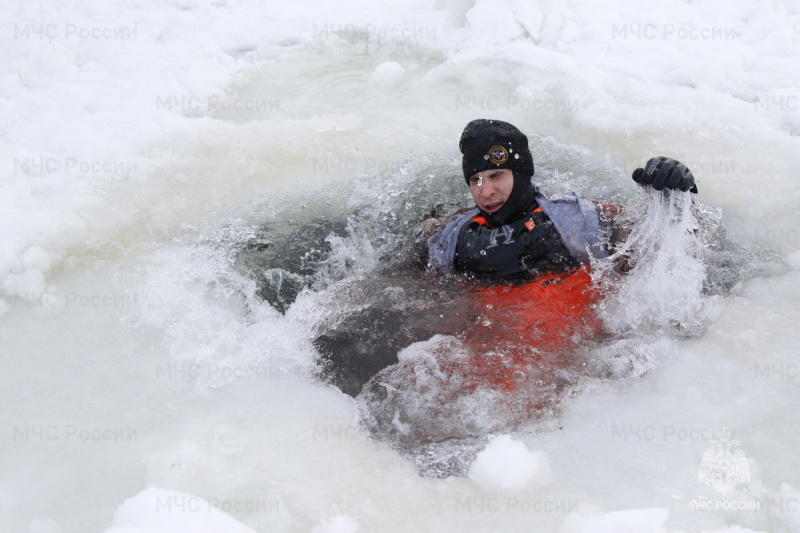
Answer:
(578, 224)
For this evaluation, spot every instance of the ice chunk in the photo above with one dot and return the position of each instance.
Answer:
(507, 464)
(166, 511)
(388, 73)
(35, 257)
(337, 524)
(28, 285)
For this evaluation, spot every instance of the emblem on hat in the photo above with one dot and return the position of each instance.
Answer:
(498, 155)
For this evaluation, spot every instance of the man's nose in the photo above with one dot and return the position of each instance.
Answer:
(487, 189)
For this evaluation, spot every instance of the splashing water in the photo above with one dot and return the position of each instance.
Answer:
(664, 287)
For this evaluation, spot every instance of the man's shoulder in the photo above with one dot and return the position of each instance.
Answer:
(435, 224)
(571, 197)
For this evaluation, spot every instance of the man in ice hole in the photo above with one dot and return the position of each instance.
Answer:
(529, 253)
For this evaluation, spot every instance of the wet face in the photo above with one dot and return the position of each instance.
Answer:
(491, 188)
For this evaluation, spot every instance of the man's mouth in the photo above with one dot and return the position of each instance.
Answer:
(490, 208)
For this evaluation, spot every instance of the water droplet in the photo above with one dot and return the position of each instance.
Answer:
(487, 323)
(516, 156)
(483, 252)
(486, 157)
(489, 306)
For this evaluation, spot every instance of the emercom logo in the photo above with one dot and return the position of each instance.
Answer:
(723, 466)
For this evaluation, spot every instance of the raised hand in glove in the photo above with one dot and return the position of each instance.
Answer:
(665, 173)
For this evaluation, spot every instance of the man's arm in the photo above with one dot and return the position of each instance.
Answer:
(425, 228)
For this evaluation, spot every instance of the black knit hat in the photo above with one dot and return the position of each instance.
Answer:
(488, 144)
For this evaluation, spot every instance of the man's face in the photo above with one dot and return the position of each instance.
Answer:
(491, 188)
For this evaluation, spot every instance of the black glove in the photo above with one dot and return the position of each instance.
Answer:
(665, 173)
